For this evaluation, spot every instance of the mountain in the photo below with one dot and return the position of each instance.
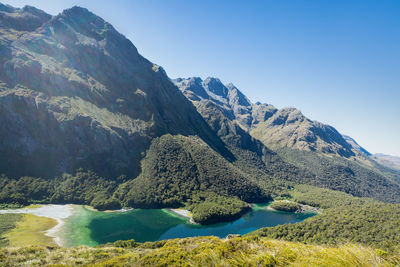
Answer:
(276, 128)
(74, 90)
(309, 152)
(83, 114)
(388, 160)
(214, 101)
(88, 120)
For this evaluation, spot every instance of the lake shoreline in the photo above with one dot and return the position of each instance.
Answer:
(56, 212)
(304, 208)
(183, 213)
(74, 223)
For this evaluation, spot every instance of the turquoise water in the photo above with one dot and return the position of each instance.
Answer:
(87, 227)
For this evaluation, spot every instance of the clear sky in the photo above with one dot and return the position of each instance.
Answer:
(337, 61)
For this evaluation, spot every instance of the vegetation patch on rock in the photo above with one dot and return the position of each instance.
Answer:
(285, 205)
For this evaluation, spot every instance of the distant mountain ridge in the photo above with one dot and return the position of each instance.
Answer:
(388, 160)
(286, 127)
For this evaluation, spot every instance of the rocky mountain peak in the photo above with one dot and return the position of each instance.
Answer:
(192, 87)
(22, 19)
(80, 77)
(79, 20)
(276, 128)
(87, 23)
(215, 86)
(236, 97)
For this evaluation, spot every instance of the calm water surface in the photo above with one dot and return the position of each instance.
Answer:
(87, 227)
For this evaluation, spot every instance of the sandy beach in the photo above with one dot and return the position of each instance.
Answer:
(184, 213)
(108, 211)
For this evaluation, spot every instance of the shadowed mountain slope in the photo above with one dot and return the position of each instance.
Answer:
(76, 93)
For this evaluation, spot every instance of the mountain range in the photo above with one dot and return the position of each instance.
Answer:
(88, 120)
(286, 127)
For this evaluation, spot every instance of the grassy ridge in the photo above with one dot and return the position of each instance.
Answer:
(201, 251)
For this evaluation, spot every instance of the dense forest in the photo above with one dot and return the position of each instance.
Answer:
(178, 171)
(344, 219)
(286, 206)
(208, 208)
(85, 187)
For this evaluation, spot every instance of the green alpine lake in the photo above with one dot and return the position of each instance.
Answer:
(89, 227)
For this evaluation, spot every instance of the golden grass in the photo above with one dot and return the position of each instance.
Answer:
(31, 231)
(203, 251)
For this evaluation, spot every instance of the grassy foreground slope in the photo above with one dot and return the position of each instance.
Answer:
(201, 251)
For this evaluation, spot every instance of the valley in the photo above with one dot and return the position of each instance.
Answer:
(106, 160)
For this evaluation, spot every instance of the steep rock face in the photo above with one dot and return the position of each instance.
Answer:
(76, 93)
(359, 149)
(276, 128)
(26, 19)
(234, 104)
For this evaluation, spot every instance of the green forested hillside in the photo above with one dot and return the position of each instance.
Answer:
(85, 187)
(176, 167)
(344, 219)
(178, 170)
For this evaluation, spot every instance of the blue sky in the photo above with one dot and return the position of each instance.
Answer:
(337, 61)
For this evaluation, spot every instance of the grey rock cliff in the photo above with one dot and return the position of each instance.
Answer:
(76, 93)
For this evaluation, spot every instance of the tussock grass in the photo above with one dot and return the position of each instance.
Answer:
(30, 230)
(202, 251)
